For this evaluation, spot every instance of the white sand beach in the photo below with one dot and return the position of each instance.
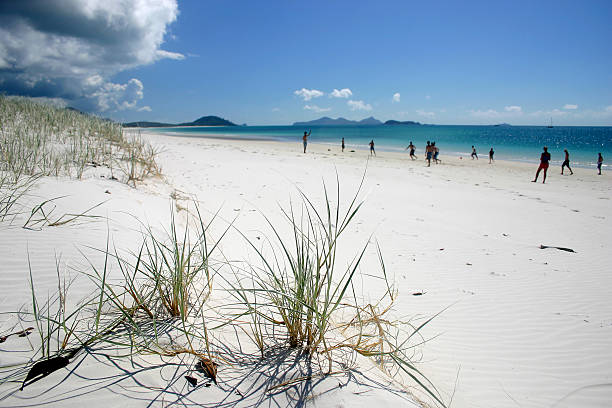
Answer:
(518, 326)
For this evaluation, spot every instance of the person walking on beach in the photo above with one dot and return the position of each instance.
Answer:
(599, 163)
(342, 144)
(491, 153)
(412, 149)
(544, 159)
(372, 151)
(566, 163)
(436, 152)
(305, 139)
(428, 153)
(474, 153)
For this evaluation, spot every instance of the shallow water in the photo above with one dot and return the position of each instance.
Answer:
(516, 143)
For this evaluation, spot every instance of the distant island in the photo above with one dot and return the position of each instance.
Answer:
(502, 125)
(405, 122)
(203, 121)
(326, 121)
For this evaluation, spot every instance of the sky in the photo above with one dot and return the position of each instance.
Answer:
(277, 62)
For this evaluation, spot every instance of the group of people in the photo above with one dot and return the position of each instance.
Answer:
(432, 152)
(545, 159)
(475, 155)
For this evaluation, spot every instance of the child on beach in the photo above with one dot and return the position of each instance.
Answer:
(599, 162)
(566, 162)
(305, 139)
(372, 151)
(428, 153)
(544, 159)
(491, 153)
(342, 144)
(412, 149)
(474, 153)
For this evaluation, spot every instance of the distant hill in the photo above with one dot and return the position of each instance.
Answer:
(502, 125)
(327, 121)
(203, 121)
(209, 121)
(370, 121)
(405, 122)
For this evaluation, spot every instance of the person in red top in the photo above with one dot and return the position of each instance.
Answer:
(544, 159)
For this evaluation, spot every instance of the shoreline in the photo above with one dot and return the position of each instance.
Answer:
(382, 148)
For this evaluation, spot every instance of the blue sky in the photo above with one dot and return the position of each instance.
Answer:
(445, 62)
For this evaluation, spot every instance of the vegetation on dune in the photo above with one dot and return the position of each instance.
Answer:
(39, 139)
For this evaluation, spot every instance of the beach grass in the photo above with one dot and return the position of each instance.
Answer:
(40, 139)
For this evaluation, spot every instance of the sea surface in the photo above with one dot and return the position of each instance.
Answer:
(515, 143)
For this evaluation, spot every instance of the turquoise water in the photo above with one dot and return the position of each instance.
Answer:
(517, 143)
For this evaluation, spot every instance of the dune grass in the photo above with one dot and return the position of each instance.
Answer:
(39, 139)
(299, 293)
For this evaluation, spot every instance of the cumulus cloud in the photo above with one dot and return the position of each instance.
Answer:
(548, 113)
(315, 108)
(144, 109)
(425, 114)
(485, 114)
(308, 94)
(359, 105)
(569, 106)
(396, 97)
(514, 109)
(70, 49)
(342, 93)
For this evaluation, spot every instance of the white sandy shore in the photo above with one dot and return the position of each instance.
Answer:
(523, 326)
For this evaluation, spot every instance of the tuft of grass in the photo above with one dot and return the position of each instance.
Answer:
(300, 286)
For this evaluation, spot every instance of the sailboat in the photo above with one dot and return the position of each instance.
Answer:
(550, 126)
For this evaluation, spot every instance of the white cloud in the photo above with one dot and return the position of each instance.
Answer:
(425, 114)
(569, 106)
(69, 49)
(342, 93)
(275, 109)
(485, 114)
(308, 94)
(169, 54)
(396, 97)
(145, 109)
(111, 96)
(548, 114)
(428, 97)
(359, 105)
(609, 108)
(514, 109)
(315, 108)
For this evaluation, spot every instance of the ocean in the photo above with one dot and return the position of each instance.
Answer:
(515, 143)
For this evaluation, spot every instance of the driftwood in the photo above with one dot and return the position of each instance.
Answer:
(21, 333)
(556, 247)
(43, 368)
